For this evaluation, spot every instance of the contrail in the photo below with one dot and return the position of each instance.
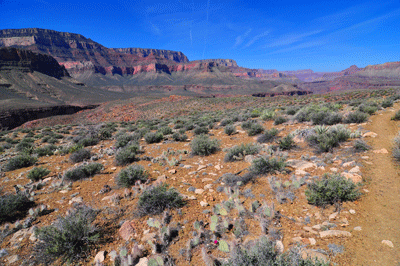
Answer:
(206, 35)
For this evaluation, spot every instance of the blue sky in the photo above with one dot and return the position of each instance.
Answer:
(283, 35)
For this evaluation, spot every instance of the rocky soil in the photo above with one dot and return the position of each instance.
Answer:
(364, 232)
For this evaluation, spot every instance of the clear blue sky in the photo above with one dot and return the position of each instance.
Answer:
(284, 35)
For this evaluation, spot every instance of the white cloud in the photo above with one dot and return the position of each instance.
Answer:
(256, 38)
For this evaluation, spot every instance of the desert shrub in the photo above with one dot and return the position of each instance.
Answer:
(106, 133)
(14, 206)
(255, 129)
(268, 136)
(24, 146)
(325, 139)
(11, 141)
(83, 171)
(367, 108)
(230, 130)
(248, 124)
(166, 130)
(128, 176)
(38, 173)
(279, 120)
(179, 136)
(156, 199)
(360, 145)
(387, 103)
(233, 180)
(255, 113)
(225, 122)
(1, 149)
(68, 238)
(396, 148)
(356, 117)
(326, 118)
(200, 130)
(123, 139)
(46, 150)
(80, 155)
(267, 115)
(153, 137)
(286, 143)
(266, 165)
(20, 161)
(396, 116)
(204, 146)
(238, 152)
(331, 189)
(126, 155)
(89, 141)
(292, 110)
(264, 252)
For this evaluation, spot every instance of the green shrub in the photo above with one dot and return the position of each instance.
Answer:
(360, 145)
(325, 139)
(264, 252)
(14, 206)
(367, 108)
(267, 165)
(126, 155)
(128, 176)
(124, 139)
(20, 161)
(225, 122)
(396, 116)
(204, 146)
(279, 120)
(83, 171)
(255, 129)
(238, 152)
(80, 155)
(166, 130)
(106, 133)
(153, 137)
(387, 103)
(179, 136)
(46, 150)
(356, 117)
(89, 141)
(268, 136)
(38, 173)
(326, 118)
(155, 199)
(286, 143)
(267, 115)
(331, 189)
(24, 146)
(200, 130)
(230, 130)
(68, 237)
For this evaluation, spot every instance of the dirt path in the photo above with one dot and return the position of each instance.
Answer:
(379, 210)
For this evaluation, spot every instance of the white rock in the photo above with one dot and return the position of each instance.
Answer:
(199, 191)
(349, 164)
(143, 262)
(312, 241)
(388, 243)
(333, 216)
(76, 200)
(355, 170)
(334, 233)
(208, 186)
(352, 211)
(279, 246)
(203, 204)
(357, 228)
(99, 257)
(334, 170)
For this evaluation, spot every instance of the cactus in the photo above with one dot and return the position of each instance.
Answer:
(254, 206)
(223, 246)
(157, 261)
(196, 225)
(223, 212)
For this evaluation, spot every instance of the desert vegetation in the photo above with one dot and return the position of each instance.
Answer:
(252, 184)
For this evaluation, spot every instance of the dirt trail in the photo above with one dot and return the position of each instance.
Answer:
(378, 212)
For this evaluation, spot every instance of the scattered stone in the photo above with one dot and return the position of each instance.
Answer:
(334, 170)
(249, 158)
(203, 203)
(208, 186)
(388, 243)
(13, 259)
(357, 228)
(193, 173)
(300, 164)
(172, 171)
(113, 254)
(201, 167)
(312, 241)
(317, 227)
(355, 170)
(106, 188)
(279, 246)
(296, 239)
(354, 177)
(349, 164)
(143, 262)
(187, 166)
(199, 191)
(126, 231)
(148, 236)
(113, 168)
(352, 211)
(76, 200)
(192, 198)
(334, 233)
(365, 157)
(218, 167)
(137, 252)
(191, 189)
(206, 179)
(99, 258)
(333, 216)
(300, 172)
(369, 134)
(310, 230)
(383, 151)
